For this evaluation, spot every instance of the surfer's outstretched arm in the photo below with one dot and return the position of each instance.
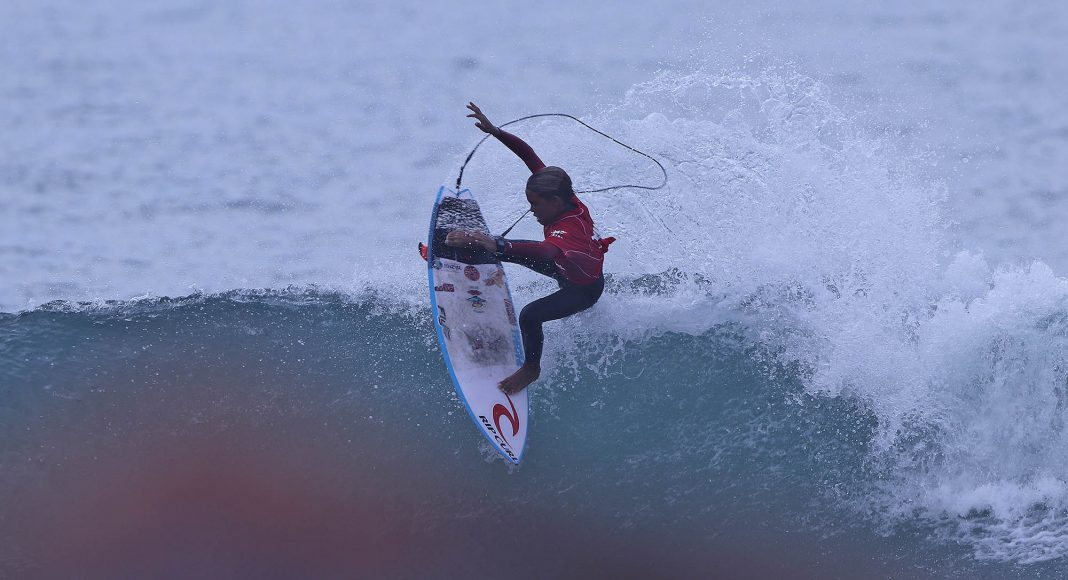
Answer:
(521, 149)
(519, 248)
(527, 249)
(515, 144)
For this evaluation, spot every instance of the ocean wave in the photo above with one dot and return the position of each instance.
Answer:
(797, 256)
(705, 405)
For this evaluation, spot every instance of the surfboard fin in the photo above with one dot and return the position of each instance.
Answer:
(422, 250)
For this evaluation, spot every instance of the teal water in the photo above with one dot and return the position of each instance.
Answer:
(282, 434)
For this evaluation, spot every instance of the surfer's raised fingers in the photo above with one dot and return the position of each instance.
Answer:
(483, 122)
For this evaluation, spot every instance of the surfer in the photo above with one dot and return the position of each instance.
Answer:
(572, 253)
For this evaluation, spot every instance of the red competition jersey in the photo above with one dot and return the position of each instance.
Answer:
(577, 250)
(581, 256)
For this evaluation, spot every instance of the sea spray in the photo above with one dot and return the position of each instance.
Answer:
(812, 233)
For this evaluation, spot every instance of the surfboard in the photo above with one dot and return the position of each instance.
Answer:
(476, 323)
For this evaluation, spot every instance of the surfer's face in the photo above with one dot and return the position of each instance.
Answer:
(546, 208)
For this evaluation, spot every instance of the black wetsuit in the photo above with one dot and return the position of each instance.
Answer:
(569, 299)
(571, 254)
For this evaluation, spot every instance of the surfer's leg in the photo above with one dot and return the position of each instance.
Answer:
(569, 300)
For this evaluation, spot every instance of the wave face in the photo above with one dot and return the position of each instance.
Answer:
(311, 432)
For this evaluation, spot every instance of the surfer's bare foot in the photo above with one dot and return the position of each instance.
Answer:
(519, 380)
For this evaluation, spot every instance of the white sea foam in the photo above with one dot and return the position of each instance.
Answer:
(163, 148)
(792, 221)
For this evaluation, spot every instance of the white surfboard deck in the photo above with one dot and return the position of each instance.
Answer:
(476, 324)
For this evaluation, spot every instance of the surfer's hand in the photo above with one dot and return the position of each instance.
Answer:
(483, 123)
(466, 239)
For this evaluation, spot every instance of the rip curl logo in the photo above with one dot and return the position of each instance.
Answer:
(557, 233)
(499, 412)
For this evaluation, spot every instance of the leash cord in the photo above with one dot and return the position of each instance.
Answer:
(470, 155)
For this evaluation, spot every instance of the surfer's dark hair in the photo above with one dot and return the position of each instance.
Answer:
(551, 182)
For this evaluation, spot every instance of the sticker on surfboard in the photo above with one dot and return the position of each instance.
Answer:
(476, 324)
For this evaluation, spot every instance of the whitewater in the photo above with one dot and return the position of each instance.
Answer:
(833, 345)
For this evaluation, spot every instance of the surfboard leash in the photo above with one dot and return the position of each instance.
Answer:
(470, 155)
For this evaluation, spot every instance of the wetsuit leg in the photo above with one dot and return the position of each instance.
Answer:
(568, 300)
